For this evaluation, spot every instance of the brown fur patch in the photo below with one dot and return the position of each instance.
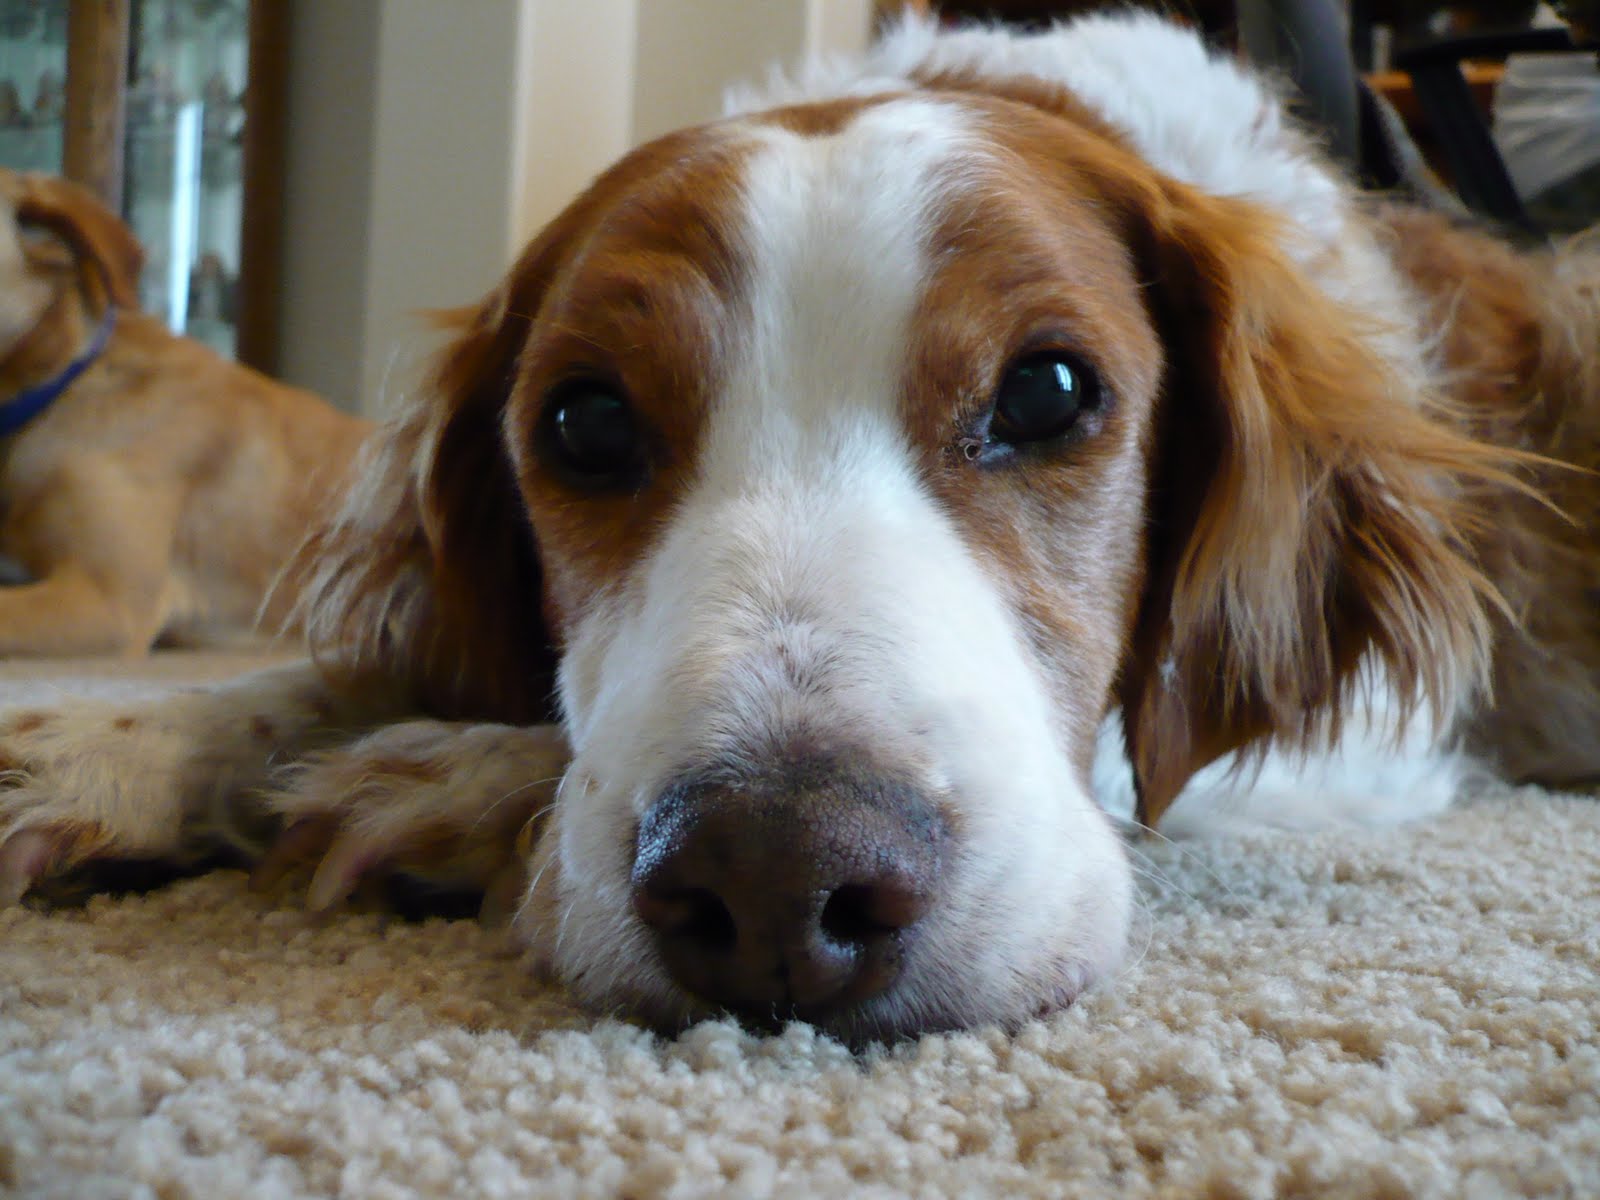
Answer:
(818, 120)
(410, 770)
(647, 308)
(24, 723)
(1520, 338)
(1028, 260)
(1313, 510)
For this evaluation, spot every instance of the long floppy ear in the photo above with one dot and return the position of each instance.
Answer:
(93, 231)
(428, 577)
(1311, 509)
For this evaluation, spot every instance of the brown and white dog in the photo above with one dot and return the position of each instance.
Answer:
(151, 488)
(772, 546)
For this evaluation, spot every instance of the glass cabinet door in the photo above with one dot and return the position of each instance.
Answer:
(183, 170)
(184, 181)
(33, 77)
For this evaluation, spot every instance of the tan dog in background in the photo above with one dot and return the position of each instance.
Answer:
(157, 496)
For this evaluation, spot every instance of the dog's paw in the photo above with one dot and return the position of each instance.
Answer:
(84, 782)
(453, 805)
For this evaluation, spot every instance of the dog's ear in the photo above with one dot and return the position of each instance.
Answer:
(93, 232)
(428, 577)
(487, 581)
(1310, 507)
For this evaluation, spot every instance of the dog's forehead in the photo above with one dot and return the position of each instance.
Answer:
(746, 187)
(866, 197)
(838, 230)
(804, 226)
(782, 270)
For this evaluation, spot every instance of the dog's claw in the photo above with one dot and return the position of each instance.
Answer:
(302, 841)
(342, 859)
(342, 868)
(23, 858)
(31, 854)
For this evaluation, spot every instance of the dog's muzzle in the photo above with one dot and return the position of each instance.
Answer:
(791, 895)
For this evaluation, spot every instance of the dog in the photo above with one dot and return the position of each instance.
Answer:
(149, 488)
(740, 606)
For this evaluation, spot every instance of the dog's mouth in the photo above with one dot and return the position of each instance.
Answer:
(827, 978)
(898, 1014)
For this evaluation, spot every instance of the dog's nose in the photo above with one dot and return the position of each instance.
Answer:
(794, 896)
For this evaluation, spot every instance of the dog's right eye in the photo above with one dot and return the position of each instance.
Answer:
(592, 432)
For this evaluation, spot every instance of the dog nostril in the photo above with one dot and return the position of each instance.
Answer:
(695, 914)
(858, 912)
(845, 917)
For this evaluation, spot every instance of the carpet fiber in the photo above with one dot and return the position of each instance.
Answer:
(1396, 1013)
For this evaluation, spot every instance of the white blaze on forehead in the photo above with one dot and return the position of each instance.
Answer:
(1227, 131)
(836, 231)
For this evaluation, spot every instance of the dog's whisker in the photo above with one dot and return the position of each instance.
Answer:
(490, 808)
(1195, 858)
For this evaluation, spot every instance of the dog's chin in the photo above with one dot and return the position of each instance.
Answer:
(902, 1015)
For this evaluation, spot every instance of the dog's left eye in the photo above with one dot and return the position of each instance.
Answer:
(593, 432)
(1042, 396)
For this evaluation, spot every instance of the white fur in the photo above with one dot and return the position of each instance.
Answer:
(1373, 777)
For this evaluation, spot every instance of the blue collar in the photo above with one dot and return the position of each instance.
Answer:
(30, 402)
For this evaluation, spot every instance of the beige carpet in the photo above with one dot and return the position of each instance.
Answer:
(1412, 1012)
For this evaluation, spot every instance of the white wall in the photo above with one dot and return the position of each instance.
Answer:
(441, 170)
(429, 139)
(399, 181)
(686, 50)
(690, 50)
(574, 99)
(327, 196)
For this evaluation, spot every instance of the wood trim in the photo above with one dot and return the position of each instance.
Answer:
(1395, 87)
(885, 10)
(266, 132)
(96, 97)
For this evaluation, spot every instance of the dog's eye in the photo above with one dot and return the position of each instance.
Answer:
(593, 432)
(1042, 397)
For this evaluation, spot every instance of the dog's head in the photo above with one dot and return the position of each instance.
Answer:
(832, 471)
(57, 241)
